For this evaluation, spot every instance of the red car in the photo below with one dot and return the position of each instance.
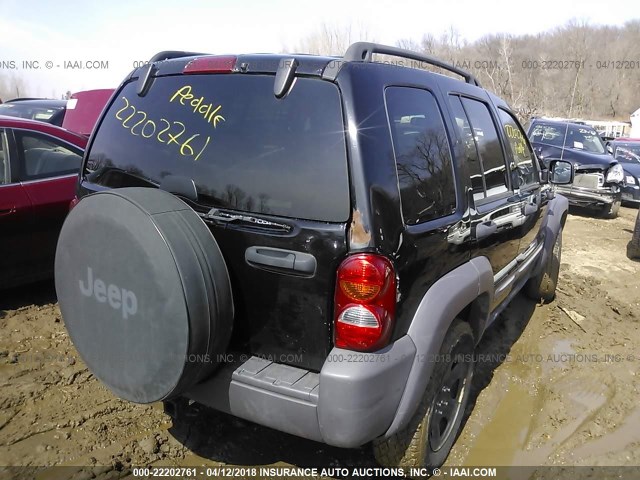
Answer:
(84, 108)
(39, 166)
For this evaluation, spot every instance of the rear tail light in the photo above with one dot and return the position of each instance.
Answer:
(365, 302)
(221, 64)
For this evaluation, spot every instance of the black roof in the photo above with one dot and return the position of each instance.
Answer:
(39, 102)
(560, 122)
(172, 62)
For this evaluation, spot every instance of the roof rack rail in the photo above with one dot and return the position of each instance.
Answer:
(363, 52)
(169, 54)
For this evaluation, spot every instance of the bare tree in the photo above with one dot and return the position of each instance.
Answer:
(577, 70)
(332, 39)
(12, 86)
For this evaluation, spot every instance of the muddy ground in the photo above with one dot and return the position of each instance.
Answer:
(556, 384)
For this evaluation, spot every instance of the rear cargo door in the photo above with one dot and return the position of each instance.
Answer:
(267, 175)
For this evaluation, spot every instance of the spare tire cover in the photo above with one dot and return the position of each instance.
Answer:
(144, 292)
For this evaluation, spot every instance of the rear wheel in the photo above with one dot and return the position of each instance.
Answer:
(427, 440)
(543, 286)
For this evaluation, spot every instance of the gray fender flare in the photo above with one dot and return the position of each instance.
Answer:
(553, 222)
(438, 309)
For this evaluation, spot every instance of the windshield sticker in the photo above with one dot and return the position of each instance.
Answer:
(209, 111)
(579, 145)
(162, 130)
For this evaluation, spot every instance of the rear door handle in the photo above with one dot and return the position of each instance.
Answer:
(281, 259)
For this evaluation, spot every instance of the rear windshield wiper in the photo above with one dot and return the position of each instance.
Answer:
(226, 217)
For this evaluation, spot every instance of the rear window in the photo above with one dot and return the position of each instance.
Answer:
(245, 149)
(30, 112)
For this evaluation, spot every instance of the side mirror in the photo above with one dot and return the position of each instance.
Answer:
(610, 149)
(560, 172)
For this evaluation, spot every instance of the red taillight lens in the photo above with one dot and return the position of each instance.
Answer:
(73, 203)
(220, 64)
(365, 302)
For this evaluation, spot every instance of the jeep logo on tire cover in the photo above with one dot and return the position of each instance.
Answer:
(117, 298)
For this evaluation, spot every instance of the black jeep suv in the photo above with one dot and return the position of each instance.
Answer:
(313, 244)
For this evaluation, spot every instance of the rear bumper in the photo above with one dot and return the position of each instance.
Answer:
(590, 197)
(350, 402)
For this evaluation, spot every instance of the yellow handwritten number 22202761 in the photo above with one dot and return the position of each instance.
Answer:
(163, 131)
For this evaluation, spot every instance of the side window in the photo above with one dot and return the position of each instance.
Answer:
(520, 149)
(44, 156)
(423, 157)
(491, 155)
(471, 153)
(4, 159)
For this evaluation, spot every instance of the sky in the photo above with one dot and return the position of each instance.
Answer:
(119, 33)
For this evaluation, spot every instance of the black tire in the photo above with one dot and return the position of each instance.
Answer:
(611, 211)
(427, 440)
(543, 286)
(633, 248)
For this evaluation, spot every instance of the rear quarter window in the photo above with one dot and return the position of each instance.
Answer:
(423, 156)
(245, 149)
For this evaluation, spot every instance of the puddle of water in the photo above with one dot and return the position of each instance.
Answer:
(563, 347)
(506, 433)
(559, 356)
(521, 414)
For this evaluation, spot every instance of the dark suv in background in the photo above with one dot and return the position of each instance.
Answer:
(310, 243)
(599, 178)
